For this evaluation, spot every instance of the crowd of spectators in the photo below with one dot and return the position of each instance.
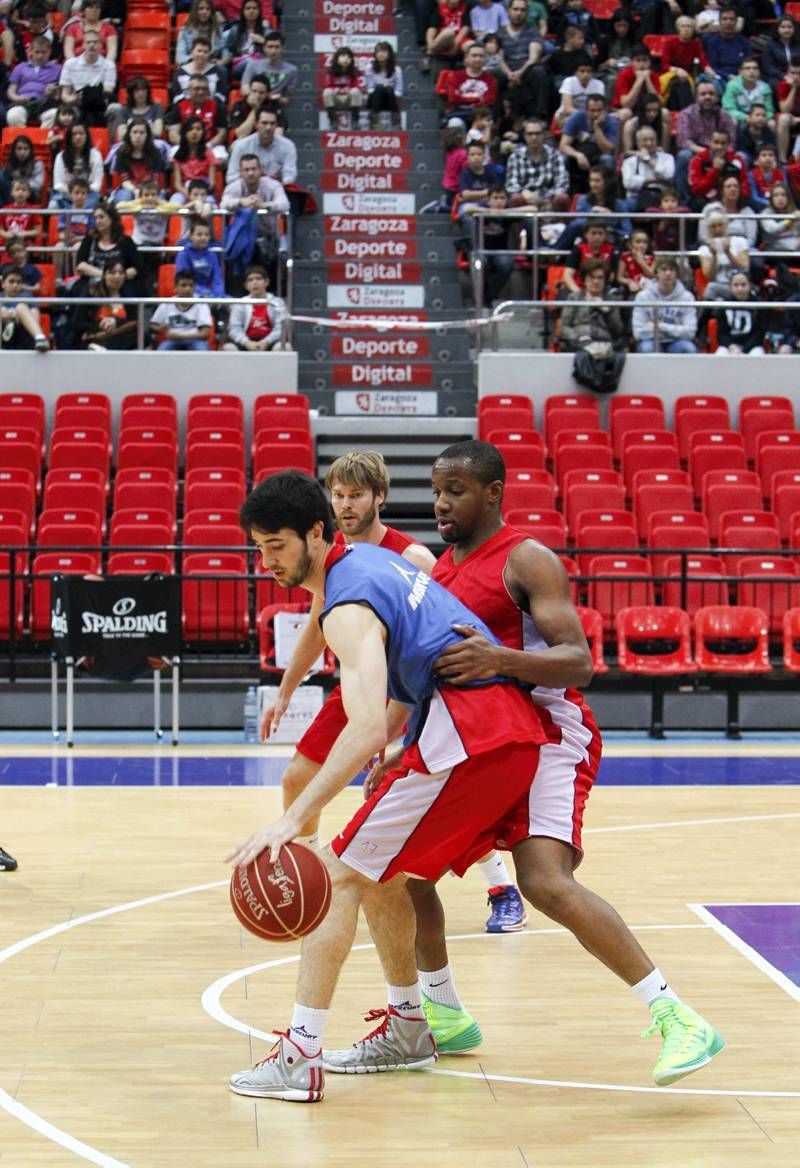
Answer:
(680, 118)
(103, 167)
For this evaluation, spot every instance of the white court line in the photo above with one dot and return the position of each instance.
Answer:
(689, 823)
(746, 950)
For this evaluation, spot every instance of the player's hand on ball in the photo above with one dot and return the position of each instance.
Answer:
(473, 659)
(272, 717)
(273, 837)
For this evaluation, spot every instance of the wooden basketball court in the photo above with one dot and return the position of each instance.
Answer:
(127, 987)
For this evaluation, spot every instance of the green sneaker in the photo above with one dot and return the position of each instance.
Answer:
(689, 1041)
(455, 1031)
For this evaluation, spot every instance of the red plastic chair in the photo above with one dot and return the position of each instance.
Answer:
(217, 476)
(500, 419)
(154, 64)
(45, 566)
(80, 493)
(146, 401)
(567, 420)
(791, 640)
(542, 524)
(222, 530)
(12, 611)
(759, 423)
(527, 496)
(97, 404)
(15, 532)
(758, 403)
(731, 639)
(215, 608)
(592, 625)
(722, 497)
(628, 582)
(654, 639)
(650, 456)
(292, 401)
(772, 460)
(652, 498)
(702, 586)
(69, 528)
(771, 585)
(276, 417)
(140, 563)
(577, 456)
(271, 457)
(592, 490)
(634, 420)
(786, 501)
(18, 493)
(157, 522)
(701, 401)
(680, 531)
(502, 401)
(228, 402)
(517, 457)
(144, 495)
(694, 421)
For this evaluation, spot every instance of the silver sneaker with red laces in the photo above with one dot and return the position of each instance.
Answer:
(397, 1044)
(286, 1073)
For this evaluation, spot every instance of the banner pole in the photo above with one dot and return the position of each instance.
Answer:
(70, 701)
(176, 661)
(54, 695)
(159, 733)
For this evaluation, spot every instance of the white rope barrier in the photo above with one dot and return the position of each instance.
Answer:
(382, 325)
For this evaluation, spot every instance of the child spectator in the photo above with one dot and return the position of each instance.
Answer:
(19, 258)
(755, 133)
(197, 258)
(192, 159)
(109, 324)
(136, 160)
(64, 116)
(477, 179)
(256, 328)
(763, 177)
(634, 82)
(636, 264)
(576, 90)
(200, 201)
(180, 326)
(203, 21)
(498, 258)
(494, 55)
(677, 317)
(575, 15)
(150, 213)
(18, 219)
(739, 329)
(343, 86)
(72, 228)
(779, 221)
(667, 231)
(20, 327)
(594, 246)
(243, 114)
(455, 159)
(78, 159)
(23, 163)
(384, 83)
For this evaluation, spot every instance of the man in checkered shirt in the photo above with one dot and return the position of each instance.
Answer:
(537, 175)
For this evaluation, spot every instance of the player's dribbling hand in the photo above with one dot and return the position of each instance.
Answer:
(473, 659)
(271, 719)
(273, 837)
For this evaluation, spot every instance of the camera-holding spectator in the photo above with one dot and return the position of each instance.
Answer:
(677, 316)
(637, 263)
(647, 172)
(343, 87)
(709, 166)
(780, 51)
(740, 329)
(683, 59)
(90, 82)
(197, 258)
(277, 154)
(447, 33)
(137, 160)
(200, 65)
(476, 180)
(111, 323)
(192, 159)
(205, 22)
(525, 83)
(634, 82)
(18, 219)
(536, 175)
(280, 74)
(139, 104)
(256, 327)
(788, 109)
(695, 126)
(722, 254)
(595, 245)
(179, 325)
(754, 134)
(199, 103)
(22, 163)
(589, 138)
(19, 257)
(746, 90)
(245, 39)
(32, 86)
(727, 48)
(78, 159)
(470, 87)
(779, 222)
(105, 244)
(20, 326)
(384, 84)
(73, 34)
(586, 323)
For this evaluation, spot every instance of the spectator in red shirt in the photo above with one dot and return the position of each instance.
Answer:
(708, 168)
(18, 219)
(633, 82)
(192, 159)
(199, 103)
(75, 30)
(447, 32)
(343, 89)
(471, 86)
(594, 246)
(764, 175)
(788, 108)
(684, 57)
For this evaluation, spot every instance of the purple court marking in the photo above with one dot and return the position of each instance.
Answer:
(767, 934)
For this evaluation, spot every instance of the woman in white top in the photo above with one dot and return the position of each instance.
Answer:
(780, 222)
(78, 159)
(383, 79)
(723, 254)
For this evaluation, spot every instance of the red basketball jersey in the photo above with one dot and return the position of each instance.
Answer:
(393, 540)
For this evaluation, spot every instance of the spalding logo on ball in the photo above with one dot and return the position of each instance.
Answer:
(284, 900)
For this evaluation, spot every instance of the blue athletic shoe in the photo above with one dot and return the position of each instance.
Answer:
(508, 911)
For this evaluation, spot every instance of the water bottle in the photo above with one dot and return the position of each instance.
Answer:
(251, 714)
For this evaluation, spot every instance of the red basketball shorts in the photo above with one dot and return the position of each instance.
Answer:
(325, 729)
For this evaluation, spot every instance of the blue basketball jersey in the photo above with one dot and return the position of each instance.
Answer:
(416, 611)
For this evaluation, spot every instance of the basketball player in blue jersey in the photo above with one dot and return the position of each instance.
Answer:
(388, 624)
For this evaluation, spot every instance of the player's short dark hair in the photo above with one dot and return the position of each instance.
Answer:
(287, 499)
(485, 462)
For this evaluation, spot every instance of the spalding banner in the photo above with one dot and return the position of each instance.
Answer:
(119, 624)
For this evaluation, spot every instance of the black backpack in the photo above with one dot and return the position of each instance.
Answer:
(600, 374)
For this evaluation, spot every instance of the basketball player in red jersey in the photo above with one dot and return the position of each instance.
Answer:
(358, 483)
(521, 591)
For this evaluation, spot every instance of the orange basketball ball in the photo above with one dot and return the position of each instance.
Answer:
(284, 900)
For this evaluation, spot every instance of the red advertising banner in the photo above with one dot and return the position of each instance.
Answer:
(375, 314)
(367, 141)
(345, 181)
(384, 374)
(358, 163)
(373, 225)
(380, 346)
(374, 272)
(367, 247)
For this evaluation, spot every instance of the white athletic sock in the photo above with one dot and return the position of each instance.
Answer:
(655, 985)
(495, 872)
(307, 1027)
(308, 841)
(407, 1000)
(440, 986)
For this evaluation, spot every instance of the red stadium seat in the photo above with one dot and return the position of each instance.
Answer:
(503, 401)
(78, 493)
(149, 435)
(722, 497)
(215, 608)
(275, 417)
(791, 640)
(30, 401)
(200, 495)
(627, 582)
(69, 528)
(517, 457)
(140, 563)
(592, 624)
(759, 403)
(633, 420)
(785, 500)
(568, 420)
(654, 639)
(769, 584)
(543, 524)
(731, 639)
(144, 495)
(568, 401)
(213, 529)
(142, 526)
(95, 405)
(680, 531)
(577, 456)
(650, 456)
(530, 496)
(701, 401)
(693, 421)
(692, 582)
(146, 401)
(12, 609)
(289, 400)
(652, 498)
(224, 405)
(605, 529)
(18, 493)
(501, 419)
(45, 566)
(773, 459)
(760, 422)
(272, 457)
(591, 494)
